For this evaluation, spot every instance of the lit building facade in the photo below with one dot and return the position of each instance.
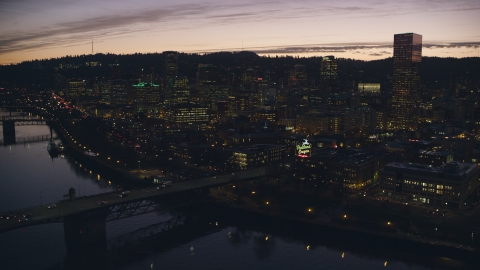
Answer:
(187, 113)
(244, 158)
(318, 124)
(113, 92)
(118, 93)
(265, 115)
(146, 97)
(104, 96)
(407, 58)
(448, 185)
(76, 88)
(181, 91)
(355, 171)
(352, 169)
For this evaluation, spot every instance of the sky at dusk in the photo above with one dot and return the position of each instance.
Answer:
(39, 29)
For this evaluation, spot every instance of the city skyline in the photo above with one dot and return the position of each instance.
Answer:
(347, 29)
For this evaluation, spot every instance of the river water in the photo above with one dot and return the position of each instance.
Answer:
(29, 177)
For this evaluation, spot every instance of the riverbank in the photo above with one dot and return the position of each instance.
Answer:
(107, 170)
(340, 233)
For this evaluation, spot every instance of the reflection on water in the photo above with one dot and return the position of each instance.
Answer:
(29, 173)
(263, 246)
(235, 248)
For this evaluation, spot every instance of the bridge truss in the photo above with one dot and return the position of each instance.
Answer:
(25, 122)
(145, 232)
(139, 207)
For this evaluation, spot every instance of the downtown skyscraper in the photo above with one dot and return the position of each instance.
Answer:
(170, 72)
(407, 59)
(328, 74)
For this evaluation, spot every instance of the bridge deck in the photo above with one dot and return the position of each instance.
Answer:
(43, 214)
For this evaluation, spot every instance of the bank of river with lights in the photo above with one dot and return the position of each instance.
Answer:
(374, 241)
(30, 177)
(90, 160)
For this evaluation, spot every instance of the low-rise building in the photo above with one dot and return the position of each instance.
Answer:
(352, 169)
(196, 154)
(187, 114)
(244, 158)
(448, 185)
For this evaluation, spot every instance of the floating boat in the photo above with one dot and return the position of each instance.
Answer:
(52, 148)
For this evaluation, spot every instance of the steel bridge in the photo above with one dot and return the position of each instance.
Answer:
(138, 201)
(84, 219)
(9, 123)
(31, 139)
(24, 120)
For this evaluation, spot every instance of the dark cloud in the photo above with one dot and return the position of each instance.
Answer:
(104, 26)
(352, 47)
(228, 16)
(452, 45)
(318, 49)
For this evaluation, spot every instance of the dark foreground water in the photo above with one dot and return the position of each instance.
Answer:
(29, 177)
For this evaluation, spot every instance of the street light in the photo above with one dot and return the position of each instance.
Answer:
(139, 165)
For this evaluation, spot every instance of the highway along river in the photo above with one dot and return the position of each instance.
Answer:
(30, 177)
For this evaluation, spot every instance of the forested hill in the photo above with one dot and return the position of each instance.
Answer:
(38, 74)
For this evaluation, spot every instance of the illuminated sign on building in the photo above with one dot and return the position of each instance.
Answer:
(304, 149)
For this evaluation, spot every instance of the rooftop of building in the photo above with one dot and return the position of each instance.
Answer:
(350, 157)
(257, 148)
(456, 169)
(434, 153)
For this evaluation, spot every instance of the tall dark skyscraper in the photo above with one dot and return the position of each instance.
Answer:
(407, 58)
(328, 74)
(171, 71)
(327, 83)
